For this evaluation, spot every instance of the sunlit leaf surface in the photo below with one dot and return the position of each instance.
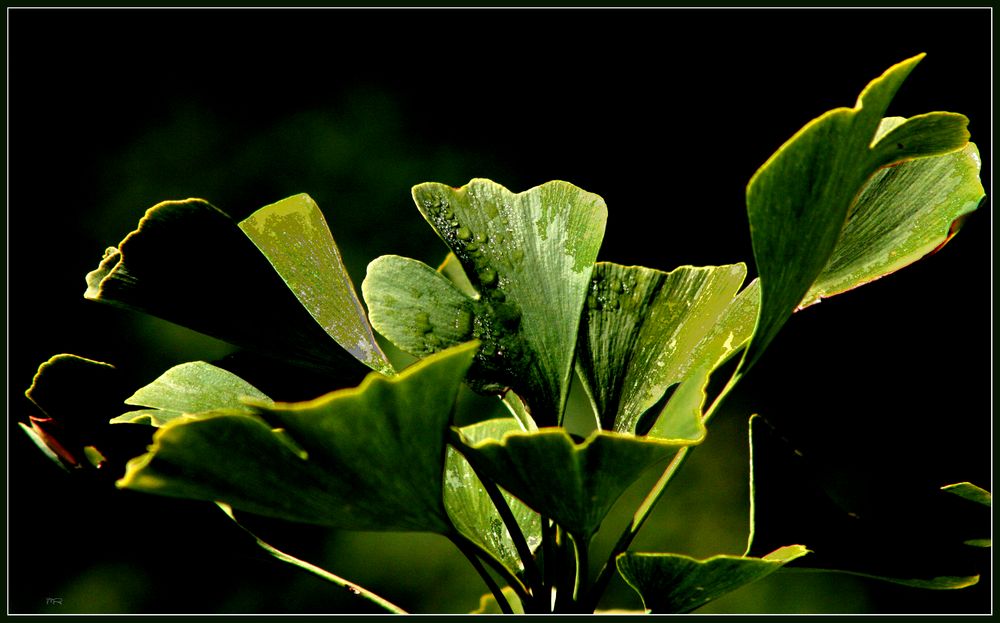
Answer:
(189, 263)
(295, 238)
(529, 256)
(645, 330)
(904, 213)
(365, 458)
(189, 388)
(800, 199)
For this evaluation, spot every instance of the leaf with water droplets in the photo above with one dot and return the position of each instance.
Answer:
(645, 330)
(470, 507)
(677, 584)
(189, 263)
(188, 389)
(415, 306)
(529, 257)
(365, 458)
(295, 238)
(799, 201)
(573, 483)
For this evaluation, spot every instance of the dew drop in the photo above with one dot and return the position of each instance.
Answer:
(422, 320)
(487, 276)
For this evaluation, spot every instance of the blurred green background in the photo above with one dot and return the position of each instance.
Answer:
(664, 113)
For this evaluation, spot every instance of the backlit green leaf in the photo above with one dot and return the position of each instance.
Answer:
(529, 256)
(470, 508)
(415, 306)
(488, 603)
(675, 584)
(904, 213)
(189, 263)
(189, 388)
(365, 458)
(970, 492)
(573, 483)
(799, 201)
(295, 238)
(645, 330)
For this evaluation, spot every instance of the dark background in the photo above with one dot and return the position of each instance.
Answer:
(664, 113)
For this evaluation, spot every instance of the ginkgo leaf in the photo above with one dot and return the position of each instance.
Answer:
(415, 306)
(189, 388)
(529, 256)
(365, 458)
(677, 584)
(645, 330)
(295, 238)
(469, 505)
(903, 213)
(918, 542)
(799, 201)
(189, 263)
(970, 492)
(591, 475)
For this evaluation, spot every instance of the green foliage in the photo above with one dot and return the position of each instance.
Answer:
(518, 305)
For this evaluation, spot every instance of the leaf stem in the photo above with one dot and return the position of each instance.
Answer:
(582, 548)
(473, 558)
(654, 495)
(533, 576)
(470, 547)
(351, 587)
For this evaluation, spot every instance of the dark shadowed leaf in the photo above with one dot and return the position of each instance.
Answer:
(799, 201)
(676, 584)
(919, 542)
(295, 238)
(72, 399)
(365, 458)
(189, 263)
(470, 508)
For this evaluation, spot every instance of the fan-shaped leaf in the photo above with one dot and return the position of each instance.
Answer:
(573, 483)
(529, 256)
(675, 584)
(189, 388)
(416, 307)
(295, 238)
(645, 330)
(903, 213)
(365, 458)
(189, 263)
(799, 200)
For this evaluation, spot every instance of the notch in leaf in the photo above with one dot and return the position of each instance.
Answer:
(528, 256)
(799, 201)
